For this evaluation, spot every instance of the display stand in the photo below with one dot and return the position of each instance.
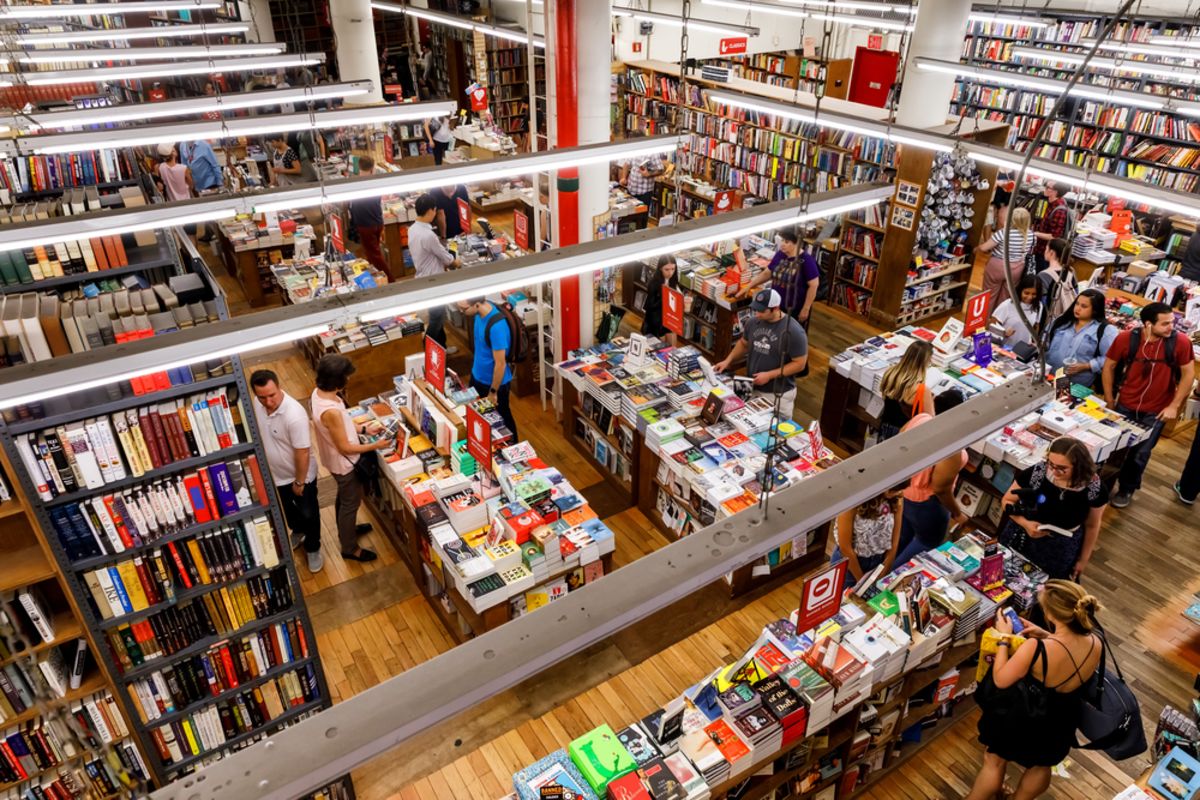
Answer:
(576, 426)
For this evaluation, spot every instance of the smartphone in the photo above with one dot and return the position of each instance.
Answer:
(1014, 619)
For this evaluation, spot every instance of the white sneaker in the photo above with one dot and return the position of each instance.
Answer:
(316, 561)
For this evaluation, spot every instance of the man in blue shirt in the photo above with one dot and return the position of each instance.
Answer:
(198, 156)
(491, 376)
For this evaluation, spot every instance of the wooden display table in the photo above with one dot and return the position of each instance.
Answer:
(374, 366)
(574, 415)
(250, 265)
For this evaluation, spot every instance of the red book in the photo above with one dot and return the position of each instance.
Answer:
(210, 498)
(111, 252)
(183, 573)
(160, 745)
(160, 433)
(11, 757)
(99, 252)
(228, 662)
(218, 412)
(260, 488)
(152, 444)
(195, 492)
(628, 787)
(118, 522)
(149, 585)
(303, 639)
(174, 432)
(119, 248)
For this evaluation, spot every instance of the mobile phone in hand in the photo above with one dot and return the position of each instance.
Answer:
(1014, 619)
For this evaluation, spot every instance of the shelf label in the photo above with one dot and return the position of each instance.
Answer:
(337, 232)
(672, 309)
(435, 364)
(977, 312)
(479, 98)
(723, 202)
(821, 596)
(734, 45)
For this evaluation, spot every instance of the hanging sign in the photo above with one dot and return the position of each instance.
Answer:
(521, 228)
(810, 47)
(733, 46)
(479, 438)
(821, 596)
(336, 231)
(874, 41)
(464, 215)
(723, 202)
(977, 312)
(672, 306)
(479, 98)
(435, 364)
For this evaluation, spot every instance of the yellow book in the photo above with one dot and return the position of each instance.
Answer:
(133, 585)
(193, 745)
(139, 441)
(198, 559)
(230, 610)
(271, 699)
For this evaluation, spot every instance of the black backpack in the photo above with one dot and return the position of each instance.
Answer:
(518, 336)
(1135, 344)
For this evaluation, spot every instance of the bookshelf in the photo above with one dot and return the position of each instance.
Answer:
(508, 88)
(789, 69)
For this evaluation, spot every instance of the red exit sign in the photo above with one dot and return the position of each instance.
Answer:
(875, 41)
(733, 46)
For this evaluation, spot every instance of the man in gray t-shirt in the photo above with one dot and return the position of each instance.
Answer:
(766, 338)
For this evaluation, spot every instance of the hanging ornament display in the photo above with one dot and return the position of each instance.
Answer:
(949, 199)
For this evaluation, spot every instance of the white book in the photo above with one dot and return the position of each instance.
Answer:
(179, 503)
(145, 701)
(260, 660)
(85, 457)
(197, 430)
(26, 449)
(42, 449)
(96, 443)
(139, 521)
(114, 714)
(121, 428)
(39, 348)
(109, 441)
(106, 521)
(35, 609)
(78, 663)
(98, 721)
(250, 527)
(114, 609)
(164, 691)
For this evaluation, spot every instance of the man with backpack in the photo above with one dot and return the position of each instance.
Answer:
(1148, 372)
(1054, 224)
(497, 339)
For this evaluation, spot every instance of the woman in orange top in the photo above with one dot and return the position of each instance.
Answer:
(929, 505)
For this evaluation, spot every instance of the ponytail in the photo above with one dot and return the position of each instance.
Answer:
(1069, 603)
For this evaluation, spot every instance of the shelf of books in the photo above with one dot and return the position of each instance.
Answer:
(508, 88)
(789, 70)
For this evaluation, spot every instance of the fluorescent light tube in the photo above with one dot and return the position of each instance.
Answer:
(856, 5)
(1181, 74)
(111, 223)
(240, 126)
(59, 10)
(749, 6)
(985, 17)
(128, 34)
(106, 115)
(460, 22)
(204, 67)
(1174, 41)
(1142, 49)
(677, 22)
(87, 56)
(868, 22)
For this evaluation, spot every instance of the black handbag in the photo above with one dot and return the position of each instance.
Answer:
(1110, 719)
(366, 469)
(1026, 701)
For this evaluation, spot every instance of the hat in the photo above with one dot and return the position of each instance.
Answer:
(765, 300)
(165, 149)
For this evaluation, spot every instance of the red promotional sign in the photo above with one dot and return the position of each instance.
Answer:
(464, 215)
(874, 41)
(435, 364)
(521, 228)
(723, 202)
(821, 596)
(977, 312)
(733, 45)
(479, 438)
(339, 236)
(672, 309)
(394, 89)
(479, 98)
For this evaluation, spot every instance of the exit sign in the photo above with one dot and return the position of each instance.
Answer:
(733, 46)
(874, 41)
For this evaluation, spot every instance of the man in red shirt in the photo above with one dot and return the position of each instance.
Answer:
(1158, 372)
(1052, 225)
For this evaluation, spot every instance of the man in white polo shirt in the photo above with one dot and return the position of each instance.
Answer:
(430, 258)
(287, 440)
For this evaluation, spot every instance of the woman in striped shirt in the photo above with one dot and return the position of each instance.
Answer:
(1007, 255)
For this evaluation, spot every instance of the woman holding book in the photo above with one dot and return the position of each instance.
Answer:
(903, 388)
(1062, 657)
(665, 274)
(869, 535)
(1014, 243)
(1056, 508)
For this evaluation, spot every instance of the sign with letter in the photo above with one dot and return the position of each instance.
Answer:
(723, 202)
(337, 232)
(734, 45)
(977, 312)
(435, 364)
(464, 215)
(874, 41)
(672, 309)
(821, 596)
(479, 438)
(521, 228)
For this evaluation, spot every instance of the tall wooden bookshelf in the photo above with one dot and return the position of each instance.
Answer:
(789, 69)
(508, 88)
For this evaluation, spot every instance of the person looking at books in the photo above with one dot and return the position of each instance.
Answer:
(1058, 286)
(448, 222)
(176, 178)
(1076, 342)
(492, 338)
(366, 215)
(903, 389)
(1189, 266)
(285, 164)
(869, 535)
(287, 440)
(430, 258)
(439, 137)
(665, 274)
(1055, 509)
(794, 273)
(637, 176)
(930, 508)
(1008, 318)
(1148, 372)
(777, 348)
(339, 449)
(1014, 243)
(1053, 224)
(1062, 657)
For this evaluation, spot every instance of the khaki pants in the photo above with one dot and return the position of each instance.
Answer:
(349, 498)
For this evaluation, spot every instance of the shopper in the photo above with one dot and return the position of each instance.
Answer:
(638, 175)
(1148, 372)
(1067, 493)
(1078, 340)
(903, 389)
(448, 221)
(439, 137)
(176, 178)
(794, 273)
(287, 440)
(339, 448)
(1054, 223)
(869, 535)
(285, 163)
(1009, 318)
(930, 508)
(1058, 286)
(1188, 485)
(429, 257)
(366, 215)
(1000, 198)
(1062, 658)
(778, 351)
(665, 274)
(207, 178)
(1011, 246)
(491, 376)
(1189, 268)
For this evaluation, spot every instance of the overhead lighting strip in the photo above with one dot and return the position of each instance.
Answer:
(92, 55)
(1181, 74)
(1141, 49)
(140, 71)
(462, 23)
(985, 17)
(856, 5)
(751, 6)
(677, 22)
(60, 10)
(183, 30)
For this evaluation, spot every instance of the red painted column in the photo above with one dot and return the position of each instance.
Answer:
(566, 79)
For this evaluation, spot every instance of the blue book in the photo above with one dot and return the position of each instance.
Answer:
(1177, 776)
(223, 489)
(115, 577)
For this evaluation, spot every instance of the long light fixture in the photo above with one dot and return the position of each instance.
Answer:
(1141, 49)
(60, 10)
(857, 5)
(676, 21)
(985, 17)
(1181, 74)
(241, 126)
(462, 23)
(1174, 41)
(88, 56)
(130, 34)
(751, 6)
(138, 72)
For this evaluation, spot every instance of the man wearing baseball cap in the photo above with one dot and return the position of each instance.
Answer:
(777, 349)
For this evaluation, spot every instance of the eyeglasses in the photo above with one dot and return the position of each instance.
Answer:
(1061, 469)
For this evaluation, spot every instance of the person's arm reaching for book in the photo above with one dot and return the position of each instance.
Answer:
(738, 351)
(1091, 532)
(845, 542)
(331, 419)
(945, 473)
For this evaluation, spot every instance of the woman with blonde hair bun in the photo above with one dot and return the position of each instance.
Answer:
(1054, 664)
(1014, 244)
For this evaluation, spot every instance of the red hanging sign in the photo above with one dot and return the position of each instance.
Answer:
(734, 45)
(723, 202)
(435, 364)
(521, 228)
(336, 232)
(672, 309)
(479, 438)
(977, 312)
(821, 596)
(479, 98)
(874, 41)
(464, 215)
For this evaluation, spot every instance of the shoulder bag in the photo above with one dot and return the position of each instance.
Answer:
(1109, 718)
(1026, 701)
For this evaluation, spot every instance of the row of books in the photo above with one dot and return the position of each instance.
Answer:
(218, 556)
(22, 174)
(859, 271)
(848, 297)
(25, 620)
(28, 751)
(1182, 157)
(507, 57)
(1166, 125)
(862, 240)
(205, 730)
(218, 613)
(38, 262)
(219, 669)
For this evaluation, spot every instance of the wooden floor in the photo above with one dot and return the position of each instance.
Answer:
(371, 623)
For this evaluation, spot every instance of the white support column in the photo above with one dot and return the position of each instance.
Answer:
(594, 66)
(258, 14)
(357, 54)
(939, 30)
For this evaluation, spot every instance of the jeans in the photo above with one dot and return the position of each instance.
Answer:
(435, 329)
(502, 406)
(923, 527)
(1189, 479)
(302, 513)
(372, 252)
(866, 563)
(349, 498)
(1135, 464)
(439, 151)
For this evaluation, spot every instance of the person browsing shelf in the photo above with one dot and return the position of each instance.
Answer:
(1148, 372)
(430, 257)
(340, 450)
(448, 222)
(1078, 340)
(439, 137)
(287, 440)
(930, 508)
(1053, 225)
(1062, 657)
(1011, 246)
(366, 215)
(776, 349)
(285, 163)
(637, 176)
(665, 274)
(1009, 318)
(491, 376)
(903, 388)
(869, 535)
(794, 273)
(1056, 507)
(176, 178)
(1189, 267)
(1058, 286)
